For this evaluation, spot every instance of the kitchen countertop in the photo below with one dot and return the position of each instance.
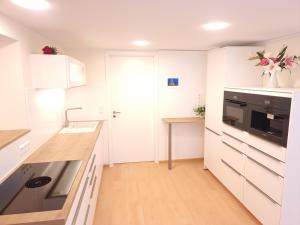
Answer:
(9, 136)
(76, 146)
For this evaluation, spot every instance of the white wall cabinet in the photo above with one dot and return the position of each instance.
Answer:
(84, 206)
(56, 71)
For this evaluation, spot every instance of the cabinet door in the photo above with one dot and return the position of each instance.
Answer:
(212, 149)
(77, 76)
(263, 208)
(12, 155)
(49, 71)
(214, 90)
(232, 179)
(241, 71)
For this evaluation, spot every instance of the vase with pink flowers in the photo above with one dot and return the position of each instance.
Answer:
(273, 64)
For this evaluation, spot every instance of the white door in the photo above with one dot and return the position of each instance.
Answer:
(131, 84)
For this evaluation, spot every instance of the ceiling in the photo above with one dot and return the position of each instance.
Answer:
(167, 24)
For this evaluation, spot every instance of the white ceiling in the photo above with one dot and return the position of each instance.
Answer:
(168, 24)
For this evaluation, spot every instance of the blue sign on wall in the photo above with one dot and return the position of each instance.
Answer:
(173, 82)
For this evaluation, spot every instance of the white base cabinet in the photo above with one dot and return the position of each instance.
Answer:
(212, 147)
(84, 206)
(260, 205)
(13, 155)
(232, 179)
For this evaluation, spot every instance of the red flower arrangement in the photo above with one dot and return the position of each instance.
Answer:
(49, 50)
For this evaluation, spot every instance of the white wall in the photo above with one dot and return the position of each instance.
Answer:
(189, 66)
(179, 101)
(12, 95)
(92, 97)
(286, 79)
(43, 121)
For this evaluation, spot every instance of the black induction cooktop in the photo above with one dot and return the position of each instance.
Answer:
(37, 187)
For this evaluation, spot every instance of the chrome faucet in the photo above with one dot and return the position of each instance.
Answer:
(67, 121)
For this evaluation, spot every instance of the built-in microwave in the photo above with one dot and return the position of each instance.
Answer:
(269, 117)
(261, 115)
(235, 109)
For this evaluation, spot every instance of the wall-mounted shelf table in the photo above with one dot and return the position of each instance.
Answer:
(170, 121)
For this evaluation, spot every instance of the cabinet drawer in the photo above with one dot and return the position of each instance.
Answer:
(265, 179)
(233, 157)
(267, 147)
(234, 142)
(234, 132)
(263, 208)
(232, 179)
(82, 205)
(272, 163)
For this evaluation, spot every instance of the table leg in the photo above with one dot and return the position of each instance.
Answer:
(170, 147)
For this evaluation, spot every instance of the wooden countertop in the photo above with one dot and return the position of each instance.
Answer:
(184, 120)
(9, 136)
(76, 146)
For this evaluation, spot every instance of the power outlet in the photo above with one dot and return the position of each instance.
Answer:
(24, 148)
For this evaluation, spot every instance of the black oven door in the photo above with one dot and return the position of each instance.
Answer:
(269, 123)
(235, 113)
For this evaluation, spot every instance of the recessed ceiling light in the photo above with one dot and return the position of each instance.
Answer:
(216, 26)
(32, 4)
(140, 43)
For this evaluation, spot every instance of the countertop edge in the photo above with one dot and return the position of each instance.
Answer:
(18, 134)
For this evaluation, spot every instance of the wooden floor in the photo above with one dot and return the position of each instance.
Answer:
(150, 194)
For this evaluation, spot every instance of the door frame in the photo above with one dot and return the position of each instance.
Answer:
(153, 54)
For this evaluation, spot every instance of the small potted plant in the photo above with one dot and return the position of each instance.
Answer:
(200, 111)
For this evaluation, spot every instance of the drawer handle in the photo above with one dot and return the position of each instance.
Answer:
(232, 137)
(237, 172)
(233, 148)
(80, 200)
(93, 174)
(258, 189)
(92, 164)
(212, 131)
(261, 165)
(266, 154)
(93, 188)
(87, 214)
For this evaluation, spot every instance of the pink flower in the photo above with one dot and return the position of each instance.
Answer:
(289, 61)
(275, 60)
(264, 62)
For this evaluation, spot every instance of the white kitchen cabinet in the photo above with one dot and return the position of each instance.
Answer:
(56, 71)
(233, 157)
(84, 206)
(228, 66)
(264, 208)
(212, 150)
(265, 179)
(232, 179)
(13, 155)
